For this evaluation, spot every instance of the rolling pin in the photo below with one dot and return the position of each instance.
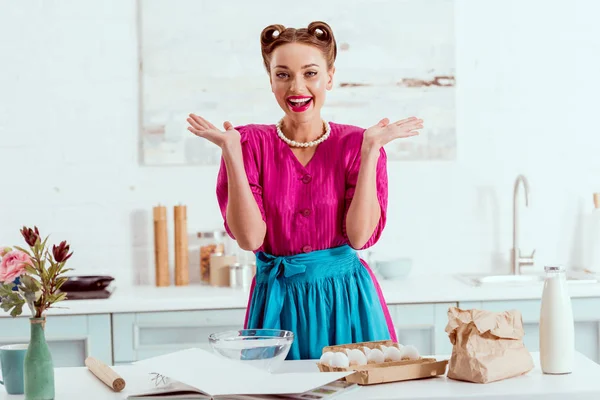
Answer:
(105, 373)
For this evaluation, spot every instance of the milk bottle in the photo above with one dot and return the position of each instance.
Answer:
(557, 328)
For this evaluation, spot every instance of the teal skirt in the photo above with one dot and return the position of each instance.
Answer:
(325, 297)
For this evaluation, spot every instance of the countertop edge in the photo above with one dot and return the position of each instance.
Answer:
(410, 291)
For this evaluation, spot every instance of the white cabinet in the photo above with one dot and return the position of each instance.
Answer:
(126, 337)
(138, 336)
(586, 312)
(423, 325)
(71, 338)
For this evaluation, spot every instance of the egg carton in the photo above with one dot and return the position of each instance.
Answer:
(388, 371)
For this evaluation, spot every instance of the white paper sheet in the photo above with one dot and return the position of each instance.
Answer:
(216, 375)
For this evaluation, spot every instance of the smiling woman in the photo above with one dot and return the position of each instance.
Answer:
(300, 64)
(304, 194)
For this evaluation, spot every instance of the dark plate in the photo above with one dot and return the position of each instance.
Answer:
(86, 283)
(89, 295)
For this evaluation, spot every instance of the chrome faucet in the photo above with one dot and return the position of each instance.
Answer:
(517, 260)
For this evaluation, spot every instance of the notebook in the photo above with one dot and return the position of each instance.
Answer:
(199, 374)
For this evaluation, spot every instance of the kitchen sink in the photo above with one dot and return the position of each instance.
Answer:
(523, 279)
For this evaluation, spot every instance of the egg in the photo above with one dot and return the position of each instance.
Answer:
(326, 358)
(375, 356)
(356, 357)
(366, 350)
(392, 353)
(400, 348)
(383, 348)
(340, 359)
(410, 352)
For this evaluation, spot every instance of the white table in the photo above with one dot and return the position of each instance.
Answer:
(583, 383)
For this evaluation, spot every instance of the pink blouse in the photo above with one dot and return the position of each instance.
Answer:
(304, 207)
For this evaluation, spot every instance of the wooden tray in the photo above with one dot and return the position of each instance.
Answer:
(391, 371)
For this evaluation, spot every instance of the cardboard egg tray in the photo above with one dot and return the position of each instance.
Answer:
(390, 371)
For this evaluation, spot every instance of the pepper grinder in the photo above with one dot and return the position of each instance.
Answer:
(182, 276)
(161, 246)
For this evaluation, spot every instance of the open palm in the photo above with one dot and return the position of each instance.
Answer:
(201, 127)
(384, 132)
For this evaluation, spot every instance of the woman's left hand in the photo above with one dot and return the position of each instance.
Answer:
(381, 134)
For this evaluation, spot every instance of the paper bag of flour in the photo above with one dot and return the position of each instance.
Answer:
(487, 346)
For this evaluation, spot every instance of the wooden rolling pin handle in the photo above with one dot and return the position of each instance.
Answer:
(105, 373)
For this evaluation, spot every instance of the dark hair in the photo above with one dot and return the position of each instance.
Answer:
(318, 34)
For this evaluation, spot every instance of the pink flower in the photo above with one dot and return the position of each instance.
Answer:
(13, 265)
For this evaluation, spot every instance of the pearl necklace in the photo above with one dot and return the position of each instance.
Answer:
(293, 143)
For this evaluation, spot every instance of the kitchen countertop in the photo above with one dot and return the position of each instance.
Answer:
(582, 384)
(410, 290)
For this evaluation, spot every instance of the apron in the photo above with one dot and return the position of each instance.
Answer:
(325, 297)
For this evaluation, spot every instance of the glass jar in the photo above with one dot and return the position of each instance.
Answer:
(220, 269)
(210, 242)
(241, 275)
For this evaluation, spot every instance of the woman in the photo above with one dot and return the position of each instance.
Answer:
(304, 195)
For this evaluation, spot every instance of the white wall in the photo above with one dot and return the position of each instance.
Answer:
(526, 102)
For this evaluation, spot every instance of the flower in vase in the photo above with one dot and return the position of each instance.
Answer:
(39, 272)
(61, 253)
(13, 265)
(31, 236)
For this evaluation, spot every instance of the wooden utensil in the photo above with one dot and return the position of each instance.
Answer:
(161, 246)
(182, 277)
(105, 373)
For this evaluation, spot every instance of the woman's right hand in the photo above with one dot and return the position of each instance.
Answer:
(201, 127)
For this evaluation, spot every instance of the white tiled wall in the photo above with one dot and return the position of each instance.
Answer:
(527, 103)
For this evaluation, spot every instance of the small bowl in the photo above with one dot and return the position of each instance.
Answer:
(263, 348)
(395, 268)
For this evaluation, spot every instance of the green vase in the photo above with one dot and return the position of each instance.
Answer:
(39, 368)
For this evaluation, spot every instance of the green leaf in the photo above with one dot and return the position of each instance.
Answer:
(61, 267)
(30, 284)
(67, 270)
(60, 297)
(58, 269)
(14, 299)
(17, 310)
(6, 289)
(31, 270)
(52, 269)
(50, 298)
(44, 273)
(60, 281)
(40, 246)
(10, 302)
(55, 297)
(44, 242)
(6, 304)
(24, 251)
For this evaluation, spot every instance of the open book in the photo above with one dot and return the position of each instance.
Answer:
(178, 390)
(199, 374)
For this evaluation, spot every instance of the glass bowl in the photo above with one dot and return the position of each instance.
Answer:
(262, 348)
